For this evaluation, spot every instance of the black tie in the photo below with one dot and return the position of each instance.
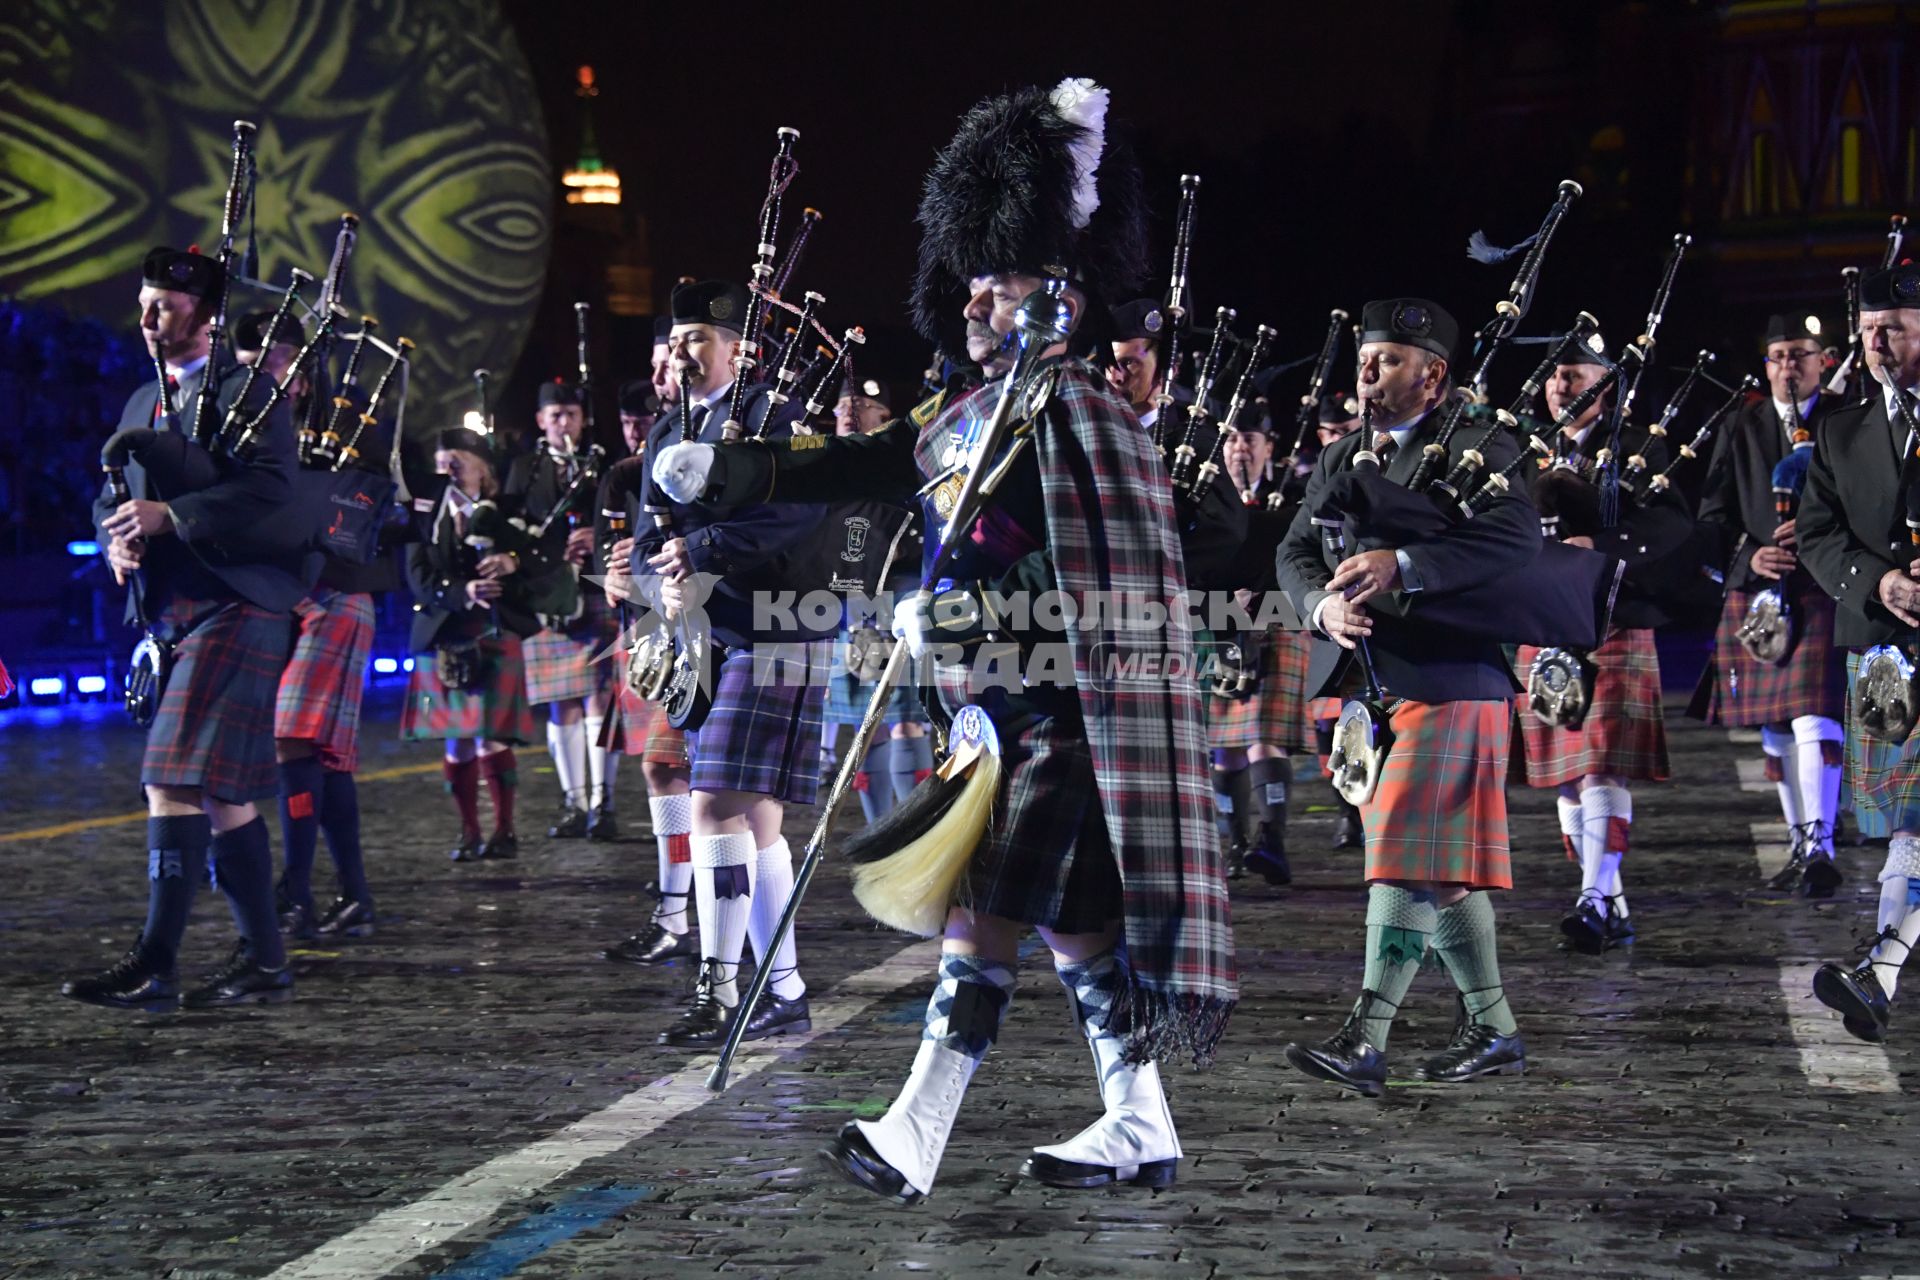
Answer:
(1384, 448)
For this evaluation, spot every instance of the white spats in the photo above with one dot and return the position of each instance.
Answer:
(1136, 1127)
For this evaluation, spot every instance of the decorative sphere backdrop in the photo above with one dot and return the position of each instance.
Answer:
(419, 115)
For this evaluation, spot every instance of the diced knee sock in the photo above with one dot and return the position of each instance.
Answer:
(968, 1003)
(1399, 924)
(1467, 943)
(176, 865)
(243, 869)
(772, 886)
(672, 833)
(300, 797)
(567, 744)
(340, 819)
(1096, 987)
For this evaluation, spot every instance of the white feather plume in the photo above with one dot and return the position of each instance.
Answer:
(1080, 101)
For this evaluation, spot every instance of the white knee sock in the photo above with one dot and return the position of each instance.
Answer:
(1568, 803)
(1819, 781)
(672, 828)
(1780, 750)
(723, 861)
(602, 764)
(1899, 885)
(1606, 815)
(772, 886)
(567, 744)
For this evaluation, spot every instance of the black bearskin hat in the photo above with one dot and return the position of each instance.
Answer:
(1033, 183)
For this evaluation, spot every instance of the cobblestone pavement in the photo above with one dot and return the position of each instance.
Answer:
(463, 1091)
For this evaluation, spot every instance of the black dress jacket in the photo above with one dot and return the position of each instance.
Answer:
(1852, 525)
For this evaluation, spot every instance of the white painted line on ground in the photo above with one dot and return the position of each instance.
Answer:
(399, 1235)
(1753, 775)
(1744, 737)
(1830, 1058)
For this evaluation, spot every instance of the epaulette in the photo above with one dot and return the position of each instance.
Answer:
(927, 410)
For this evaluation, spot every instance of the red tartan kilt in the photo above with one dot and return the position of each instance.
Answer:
(214, 726)
(1439, 814)
(646, 731)
(496, 711)
(320, 689)
(1811, 682)
(1624, 734)
(1276, 711)
(561, 664)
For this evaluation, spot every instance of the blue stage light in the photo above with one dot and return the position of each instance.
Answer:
(47, 686)
(83, 548)
(90, 684)
(385, 666)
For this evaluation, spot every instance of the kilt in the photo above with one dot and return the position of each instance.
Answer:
(496, 711)
(1624, 733)
(847, 696)
(560, 663)
(1811, 682)
(1440, 811)
(1276, 711)
(214, 726)
(647, 733)
(763, 734)
(321, 687)
(1046, 858)
(1883, 778)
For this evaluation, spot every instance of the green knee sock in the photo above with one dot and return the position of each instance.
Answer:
(1467, 942)
(1399, 923)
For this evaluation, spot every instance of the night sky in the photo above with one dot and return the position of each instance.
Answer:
(1346, 151)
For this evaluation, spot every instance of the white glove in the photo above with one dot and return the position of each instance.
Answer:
(682, 469)
(911, 623)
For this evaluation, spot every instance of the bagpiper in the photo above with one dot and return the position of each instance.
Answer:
(1436, 824)
(220, 606)
(1796, 699)
(1856, 536)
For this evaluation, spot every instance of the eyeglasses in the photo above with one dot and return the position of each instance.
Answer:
(1796, 357)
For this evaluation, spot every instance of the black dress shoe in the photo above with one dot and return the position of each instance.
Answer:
(775, 1016)
(1079, 1177)
(1346, 1057)
(347, 918)
(242, 981)
(653, 945)
(1787, 879)
(1236, 857)
(1268, 859)
(1857, 996)
(1619, 929)
(468, 850)
(1348, 833)
(297, 923)
(133, 982)
(1584, 928)
(603, 824)
(853, 1158)
(1821, 877)
(501, 846)
(705, 1023)
(570, 824)
(1477, 1050)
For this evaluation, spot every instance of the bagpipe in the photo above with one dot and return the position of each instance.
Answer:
(1769, 629)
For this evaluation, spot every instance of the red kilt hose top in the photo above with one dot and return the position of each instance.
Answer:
(1439, 814)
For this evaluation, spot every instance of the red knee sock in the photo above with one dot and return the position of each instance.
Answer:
(463, 784)
(503, 776)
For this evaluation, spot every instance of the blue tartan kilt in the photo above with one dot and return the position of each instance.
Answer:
(214, 726)
(847, 697)
(763, 734)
